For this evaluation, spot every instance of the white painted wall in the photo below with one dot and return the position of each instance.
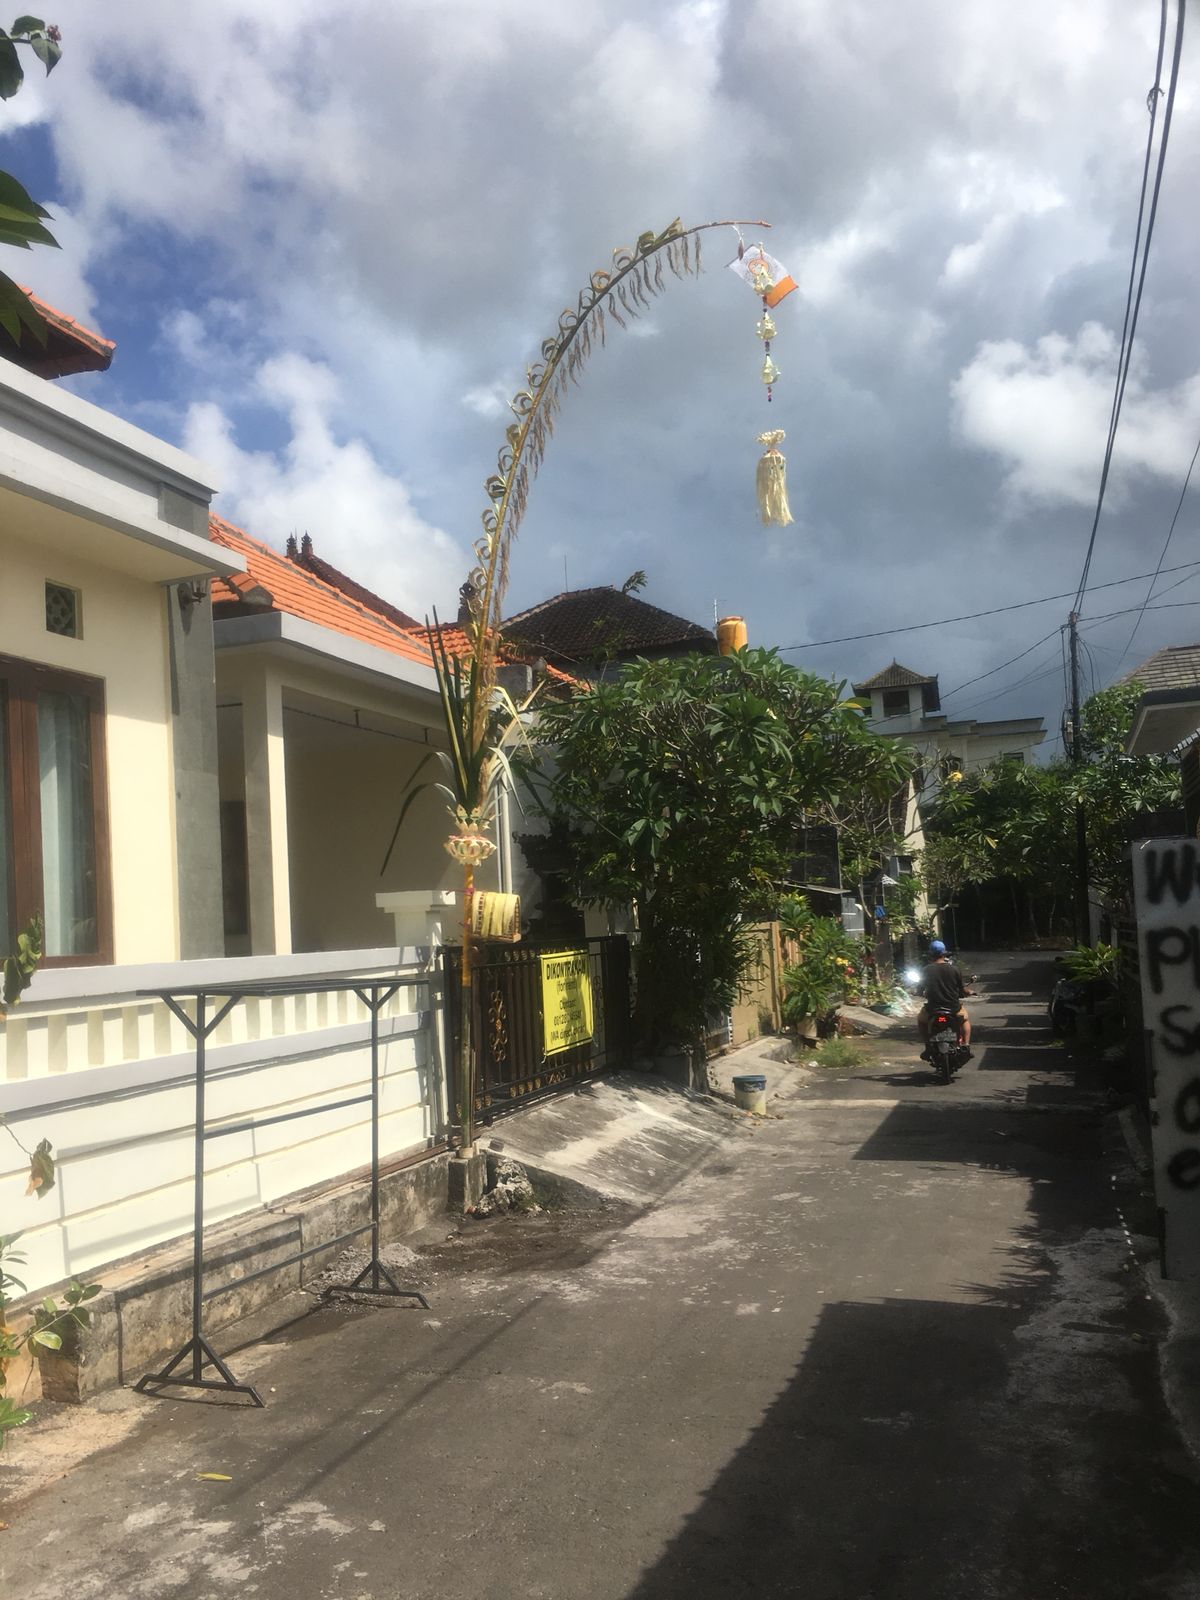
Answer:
(108, 1078)
(124, 643)
(349, 749)
(125, 496)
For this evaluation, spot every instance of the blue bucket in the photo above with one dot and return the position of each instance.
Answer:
(751, 1081)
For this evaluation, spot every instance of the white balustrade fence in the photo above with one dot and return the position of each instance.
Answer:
(106, 1073)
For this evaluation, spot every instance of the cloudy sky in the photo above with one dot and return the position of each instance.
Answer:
(327, 241)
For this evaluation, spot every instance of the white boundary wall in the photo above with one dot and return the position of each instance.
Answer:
(108, 1076)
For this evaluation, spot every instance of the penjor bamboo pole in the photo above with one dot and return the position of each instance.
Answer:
(507, 489)
(466, 1062)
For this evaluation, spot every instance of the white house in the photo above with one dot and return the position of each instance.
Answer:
(906, 705)
(142, 748)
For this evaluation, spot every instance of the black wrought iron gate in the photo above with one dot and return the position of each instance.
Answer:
(513, 1065)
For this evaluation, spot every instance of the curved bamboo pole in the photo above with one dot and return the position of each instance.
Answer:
(637, 277)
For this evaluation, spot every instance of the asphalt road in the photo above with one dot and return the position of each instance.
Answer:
(893, 1345)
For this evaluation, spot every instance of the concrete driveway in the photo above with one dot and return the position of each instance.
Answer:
(889, 1343)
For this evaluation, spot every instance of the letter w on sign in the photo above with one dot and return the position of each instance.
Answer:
(1166, 880)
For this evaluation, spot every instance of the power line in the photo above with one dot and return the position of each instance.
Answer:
(992, 673)
(1133, 301)
(1047, 668)
(1162, 556)
(1177, 582)
(994, 611)
(1127, 611)
(1043, 670)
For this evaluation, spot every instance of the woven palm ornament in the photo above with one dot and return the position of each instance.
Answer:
(772, 282)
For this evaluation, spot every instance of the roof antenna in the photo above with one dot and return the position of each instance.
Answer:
(566, 583)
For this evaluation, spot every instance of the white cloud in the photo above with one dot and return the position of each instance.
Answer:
(361, 516)
(489, 399)
(655, 80)
(61, 276)
(827, 268)
(409, 197)
(1044, 411)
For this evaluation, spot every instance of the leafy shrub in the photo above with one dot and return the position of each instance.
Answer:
(831, 968)
(1097, 964)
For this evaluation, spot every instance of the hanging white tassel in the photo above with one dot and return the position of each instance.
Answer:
(771, 481)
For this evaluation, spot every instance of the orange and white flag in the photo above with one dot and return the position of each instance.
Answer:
(766, 276)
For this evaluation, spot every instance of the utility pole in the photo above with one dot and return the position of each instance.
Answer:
(1083, 920)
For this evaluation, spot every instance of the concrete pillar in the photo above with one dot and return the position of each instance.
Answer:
(194, 750)
(266, 815)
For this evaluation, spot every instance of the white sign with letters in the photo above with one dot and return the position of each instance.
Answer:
(1166, 879)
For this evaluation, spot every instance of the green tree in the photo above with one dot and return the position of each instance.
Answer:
(1015, 823)
(1116, 787)
(680, 787)
(22, 220)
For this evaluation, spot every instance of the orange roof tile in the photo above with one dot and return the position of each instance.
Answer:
(69, 346)
(274, 583)
(458, 644)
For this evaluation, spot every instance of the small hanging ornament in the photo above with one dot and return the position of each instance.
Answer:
(771, 481)
(769, 278)
(772, 282)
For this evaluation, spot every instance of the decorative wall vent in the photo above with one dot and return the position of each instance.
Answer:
(63, 611)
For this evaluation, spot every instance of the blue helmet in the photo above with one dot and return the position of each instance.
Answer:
(938, 948)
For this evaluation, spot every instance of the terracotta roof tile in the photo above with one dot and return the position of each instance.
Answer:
(69, 347)
(274, 583)
(305, 556)
(458, 644)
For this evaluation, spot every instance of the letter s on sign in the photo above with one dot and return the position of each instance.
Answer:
(1179, 1039)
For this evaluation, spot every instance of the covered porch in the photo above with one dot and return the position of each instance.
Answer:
(315, 757)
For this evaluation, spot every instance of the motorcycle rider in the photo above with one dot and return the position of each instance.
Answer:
(942, 988)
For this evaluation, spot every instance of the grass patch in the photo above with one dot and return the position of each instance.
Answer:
(839, 1054)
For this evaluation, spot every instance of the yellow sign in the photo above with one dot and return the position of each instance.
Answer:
(566, 1000)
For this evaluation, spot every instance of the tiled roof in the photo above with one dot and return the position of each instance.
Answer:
(305, 556)
(583, 624)
(69, 347)
(894, 677)
(458, 644)
(272, 582)
(1176, 667)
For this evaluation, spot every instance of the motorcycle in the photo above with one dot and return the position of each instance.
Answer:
(1072, 998)
(945, 1051)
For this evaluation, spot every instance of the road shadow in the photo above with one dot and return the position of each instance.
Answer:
(894, 1467)
(931, 1450)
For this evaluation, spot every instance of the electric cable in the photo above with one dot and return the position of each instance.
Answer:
(1138, 269)
(1040, 671)
(1192, 567)
(994, 670)
(1048, 668)
(1137, 621)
